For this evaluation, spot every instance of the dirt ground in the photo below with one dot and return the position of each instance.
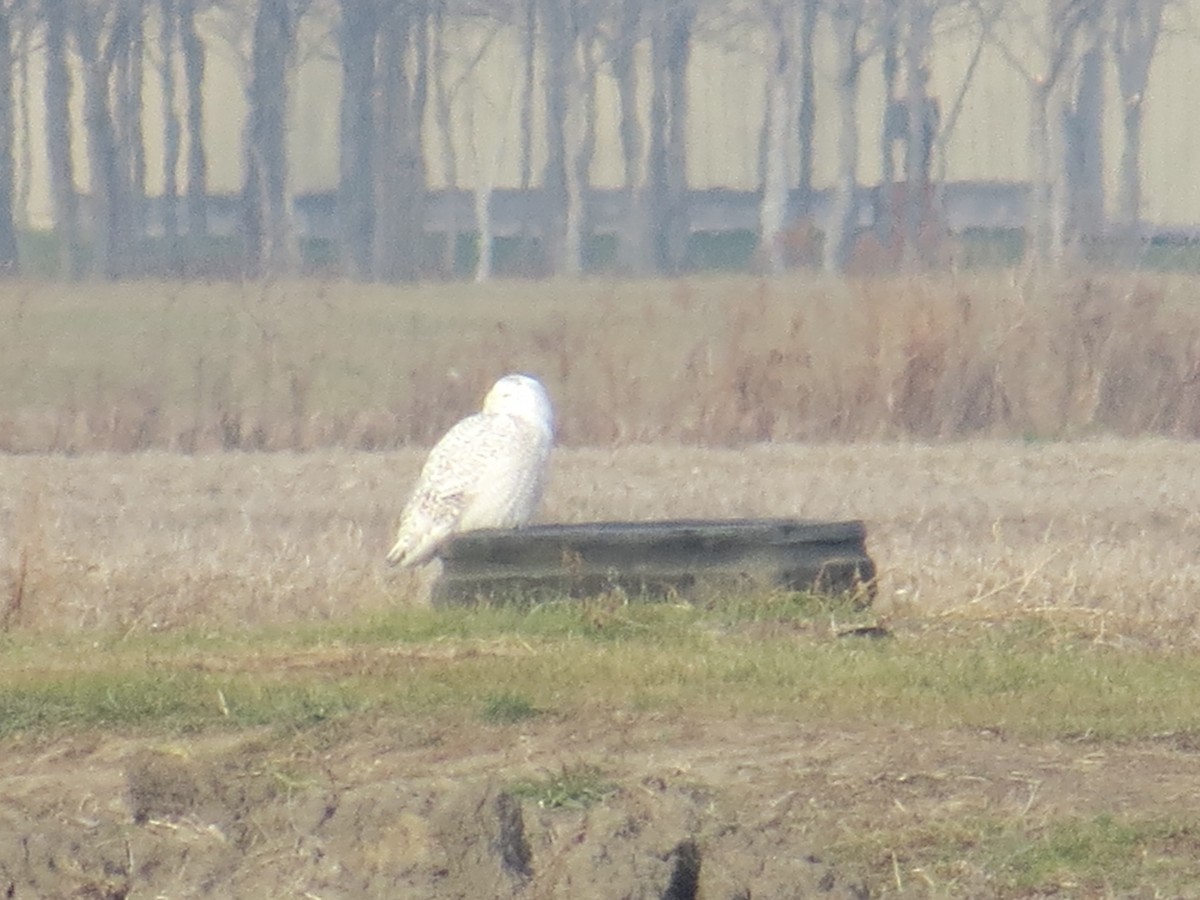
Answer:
(700, 809)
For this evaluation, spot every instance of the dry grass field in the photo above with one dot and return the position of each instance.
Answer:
(1105, 530)
(717, 361)
(211, 686)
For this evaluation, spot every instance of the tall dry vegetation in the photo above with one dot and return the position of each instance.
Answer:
(196, 368)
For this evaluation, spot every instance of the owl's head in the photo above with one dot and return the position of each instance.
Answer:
(523, 397)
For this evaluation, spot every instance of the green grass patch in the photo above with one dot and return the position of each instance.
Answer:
(1101, 855)
(161, 700)
(574, 787)
(771, 656)
(507, 708)
(1095, 850)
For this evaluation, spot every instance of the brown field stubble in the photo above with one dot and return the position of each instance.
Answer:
(1103, 532)
(641, 373)
(1097, 533)
(715, 361)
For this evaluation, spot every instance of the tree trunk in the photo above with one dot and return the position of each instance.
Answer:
(528, 86)
(444, 115)
(559, 39)
(776, 126)
(807, 106)
(168, 39)
(1135, 38)
(356, 215)
(486, 158)
(1050, 225)
(24, 153)
(268, 238)
(1058, 206)
(1129, 183)
(843, 216)
(582, 143)
(400, 168)
(388, 208)
(1084, 163)
(654, 197)
(109, 180)
(197, 161)
(8, 230)
(483, 227)
(417, 181)
(131, 143)
(886, 214)
(921, 122)
(1129, 196)
(1040, 191)
(681, 17)
(666, 175)
(485, 182)
(633, 243)
(484, 185)
(58, 138)
(941, 139)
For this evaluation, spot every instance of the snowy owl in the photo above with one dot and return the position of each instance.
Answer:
(486, 472)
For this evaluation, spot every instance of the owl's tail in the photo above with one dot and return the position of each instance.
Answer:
(415, 546)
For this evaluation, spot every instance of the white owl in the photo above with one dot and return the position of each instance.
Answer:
(486, 472)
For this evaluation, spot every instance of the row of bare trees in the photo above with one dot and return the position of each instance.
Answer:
(397, 82)
(105, 42)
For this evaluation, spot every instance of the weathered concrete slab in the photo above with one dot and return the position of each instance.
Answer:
(655, 560)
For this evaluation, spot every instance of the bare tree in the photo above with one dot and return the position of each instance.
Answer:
(559, 36)
(848, 18)
(528, 24)
(895, 116)
(56, 14)
(168, 39)
(1057, 34)
(1082, 121)
(1070, 24)
(128, 67)
(576, 40)
(486, 164)
(28, 24)
(578, 133)
(1136, 27)
(633, 243)
(580, 39)
(570, 71)
(980, 19)
(921, 126)
(806, 112)
(495, 102)
(910, 122)
(399, 162)
(778, 120)
(671, 27)
(447, 94)
(484, 187)
(442, 93)
(103, 33)
(267, 233)
(357, 34)
(8, 229)
(197, 158)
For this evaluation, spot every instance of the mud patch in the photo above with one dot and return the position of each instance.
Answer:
(719, 810)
